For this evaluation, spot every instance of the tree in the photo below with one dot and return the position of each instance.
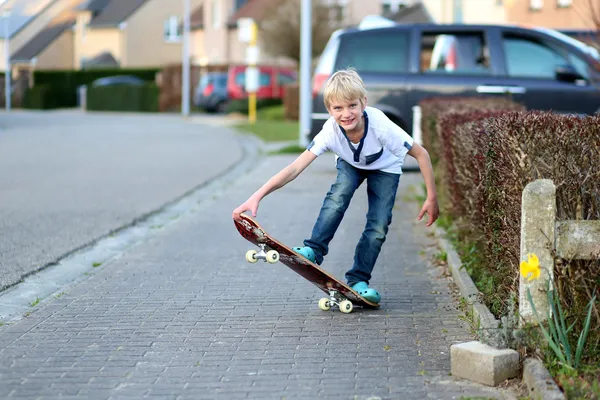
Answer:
(280, 28)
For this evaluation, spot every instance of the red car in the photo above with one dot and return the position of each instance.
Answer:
(271, 82)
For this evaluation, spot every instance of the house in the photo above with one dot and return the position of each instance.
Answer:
(52, 46)
(215, 35)
(557, 14)
(27, 18)
(467, 11)
(76, 34)
(129, 33)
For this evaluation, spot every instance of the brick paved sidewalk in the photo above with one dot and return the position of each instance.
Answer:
(183, 316)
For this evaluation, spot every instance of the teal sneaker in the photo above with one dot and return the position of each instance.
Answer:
(366, 292)
(307, 252)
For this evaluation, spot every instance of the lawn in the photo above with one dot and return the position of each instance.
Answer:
(273, 131)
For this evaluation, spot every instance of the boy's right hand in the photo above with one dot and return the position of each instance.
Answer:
(249, 205)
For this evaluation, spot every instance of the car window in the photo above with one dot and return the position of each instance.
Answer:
(463, 53)
(580, 65)
(221, 81)
(285, 79)
(532, 59)
(264, 79)
(374, 52)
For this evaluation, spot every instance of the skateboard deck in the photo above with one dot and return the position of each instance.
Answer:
(271, 250)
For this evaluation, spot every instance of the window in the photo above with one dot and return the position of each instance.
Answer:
(337, 13)
(580, 66)
(374, 52)
(391, 6)
(285, 79)
(264, 79)
(461, 53)
(171, 31)
(240, 3)
(536, 4)
(215, 14)
(531, 59)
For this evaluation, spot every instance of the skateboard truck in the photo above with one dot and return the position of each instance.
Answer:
(270, 256)
(336, 299)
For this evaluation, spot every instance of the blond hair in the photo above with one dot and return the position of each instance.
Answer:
(344, 85)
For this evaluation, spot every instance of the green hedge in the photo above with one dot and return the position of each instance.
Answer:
(39, 97)
(123, 98)
(63, 84)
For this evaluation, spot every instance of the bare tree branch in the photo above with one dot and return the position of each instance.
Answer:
(280, 29)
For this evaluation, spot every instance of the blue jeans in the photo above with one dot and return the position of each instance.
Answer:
(381, 192)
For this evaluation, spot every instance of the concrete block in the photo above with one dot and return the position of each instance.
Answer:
(481, 363)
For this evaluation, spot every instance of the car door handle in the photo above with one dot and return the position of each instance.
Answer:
(490, 89)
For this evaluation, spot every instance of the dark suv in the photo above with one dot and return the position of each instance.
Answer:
(403, 64)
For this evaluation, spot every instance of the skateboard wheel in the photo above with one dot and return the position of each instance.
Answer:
(251, 256)
(346, 306)
(324, 304)
(272, 256)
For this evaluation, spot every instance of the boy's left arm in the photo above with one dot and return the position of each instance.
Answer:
(431, 205)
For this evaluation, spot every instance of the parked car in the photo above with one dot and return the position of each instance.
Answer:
(271, 81)
(211, 92)
(118, 80)
(403, 64)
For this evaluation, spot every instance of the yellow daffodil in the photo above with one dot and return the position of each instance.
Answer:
(530, 269)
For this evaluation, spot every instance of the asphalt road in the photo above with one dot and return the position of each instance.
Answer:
(67, 178)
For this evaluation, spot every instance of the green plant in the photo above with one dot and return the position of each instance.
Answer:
(557, 334)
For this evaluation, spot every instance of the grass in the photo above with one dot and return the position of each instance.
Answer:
(272, 131)
(291, 149)
(582, 384)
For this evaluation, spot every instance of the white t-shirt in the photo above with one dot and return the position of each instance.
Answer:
(384, 146)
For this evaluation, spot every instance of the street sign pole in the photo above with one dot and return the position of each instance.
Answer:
(305, 67)
(252, 74)
(185, 78)
(247, 33)
(7, 72)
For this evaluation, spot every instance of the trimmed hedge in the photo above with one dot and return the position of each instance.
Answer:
(486, 158)
(123, 98)
(64, 84)
(39, 97)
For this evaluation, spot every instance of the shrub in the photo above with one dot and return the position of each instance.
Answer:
(64, 84)
(123, 98)
(39, 97)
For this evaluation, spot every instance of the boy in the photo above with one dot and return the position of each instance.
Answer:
(368, 146)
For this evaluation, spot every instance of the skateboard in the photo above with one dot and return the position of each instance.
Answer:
(270, 250)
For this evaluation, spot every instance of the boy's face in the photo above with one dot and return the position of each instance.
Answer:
(348, 114)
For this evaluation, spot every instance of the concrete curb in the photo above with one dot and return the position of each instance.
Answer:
(482, 316)
(540, 384)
